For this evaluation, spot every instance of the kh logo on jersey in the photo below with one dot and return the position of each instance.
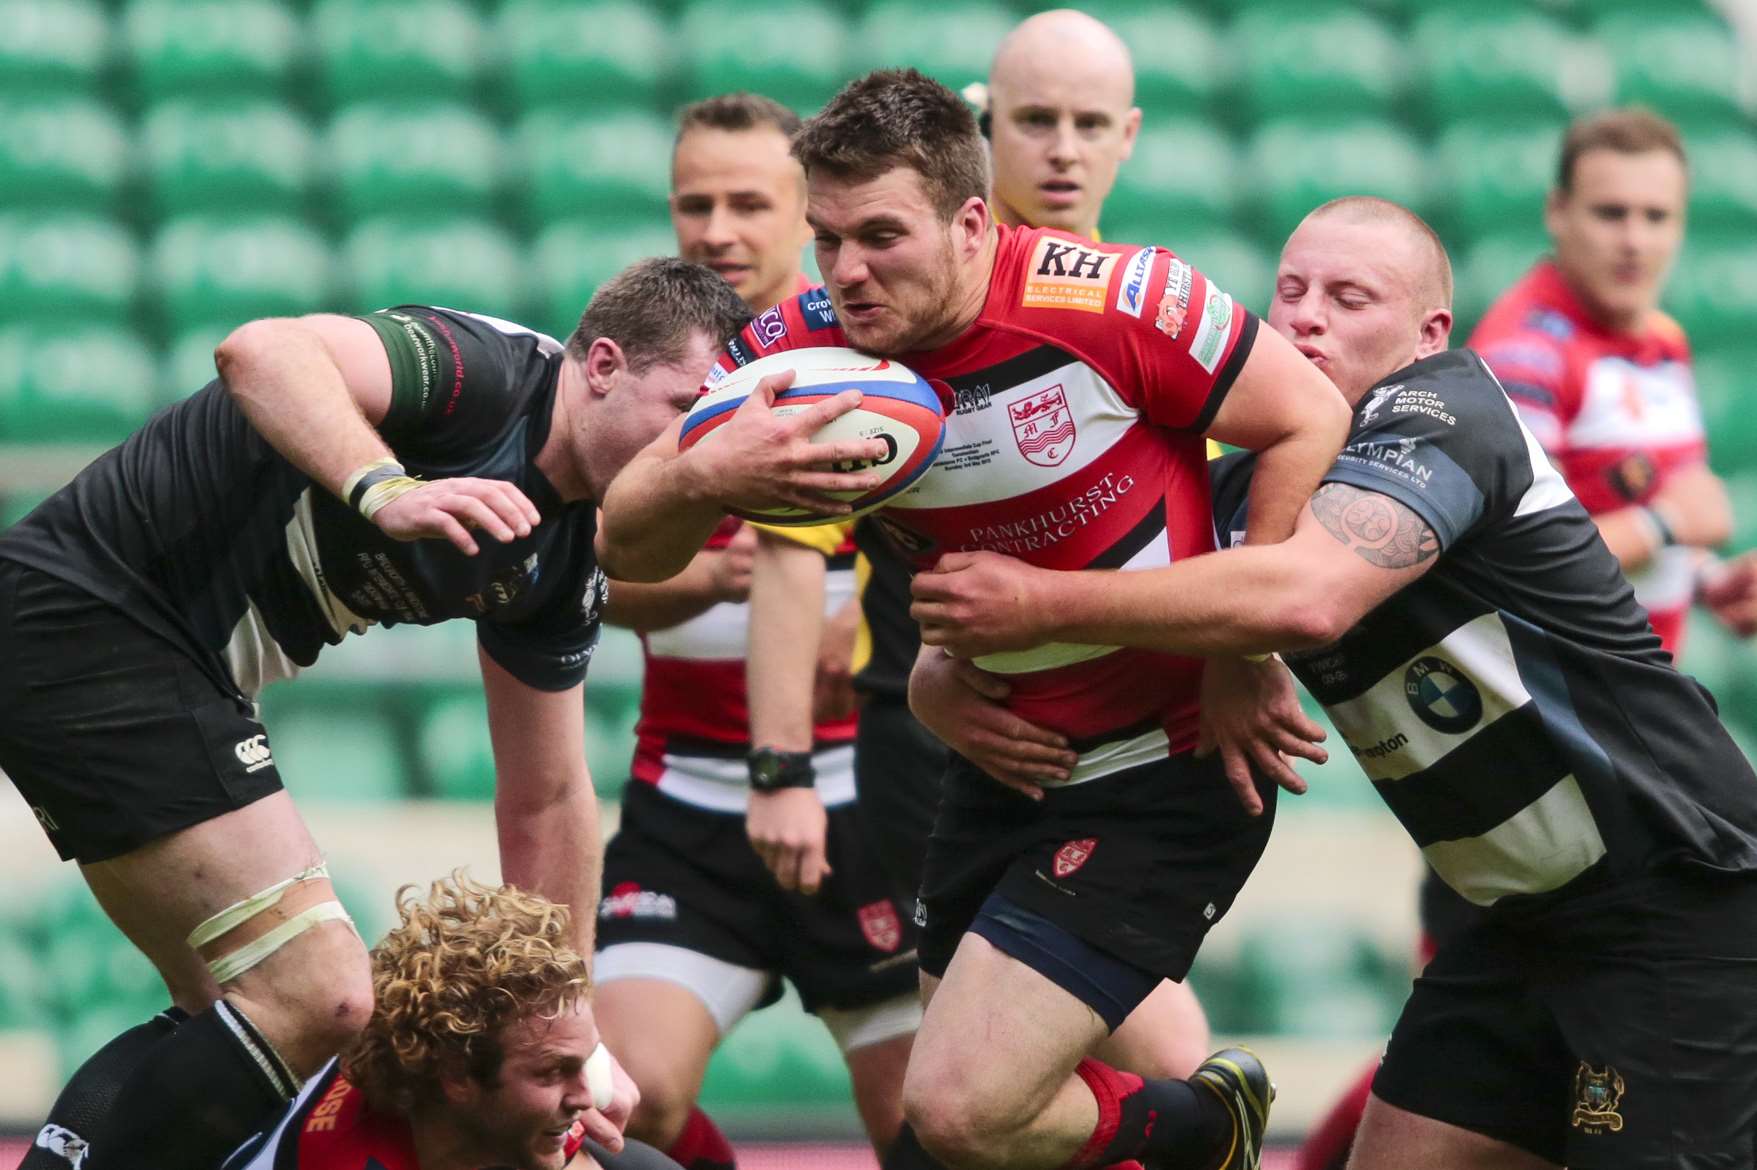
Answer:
(1174, 302)
(1070, 857)
(881, 926)
(1442, 696)
(1597, 1093)
(1131, 294)
(1043, 426)
(253, 753)
(769, 328)
(1064, 275)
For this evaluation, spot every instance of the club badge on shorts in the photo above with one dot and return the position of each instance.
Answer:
(879, 923)
(1597, 1093)
(1073, 855)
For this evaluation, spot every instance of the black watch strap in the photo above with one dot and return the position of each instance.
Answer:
(772, 769)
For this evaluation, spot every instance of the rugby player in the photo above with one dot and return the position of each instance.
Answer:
(476, 1053)
(1081, 441)
(235, 535)
(1449, 601)
(1602, 376)
(1061, 120)
(695, 932)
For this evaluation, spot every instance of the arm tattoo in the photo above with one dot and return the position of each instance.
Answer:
(1384, 532)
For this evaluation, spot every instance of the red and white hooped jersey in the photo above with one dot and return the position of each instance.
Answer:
(1617, 412)
(1075, 409)
(694, 728)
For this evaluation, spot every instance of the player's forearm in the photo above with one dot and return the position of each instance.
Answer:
(550, 842)
(290, 388)
(655, 517)
(1289, 470)
(786, 626)
(660, 605)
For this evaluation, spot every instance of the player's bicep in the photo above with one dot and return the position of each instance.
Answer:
(1277, 393)
(360, 356)
(1364, 545)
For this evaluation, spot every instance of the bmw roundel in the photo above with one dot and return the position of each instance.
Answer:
(1442, 696)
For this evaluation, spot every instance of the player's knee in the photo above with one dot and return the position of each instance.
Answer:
(321, 990)
(957, 1122)
(667, 1096)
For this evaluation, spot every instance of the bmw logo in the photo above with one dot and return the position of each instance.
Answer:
(1442, 696)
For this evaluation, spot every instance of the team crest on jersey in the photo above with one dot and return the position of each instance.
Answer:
(1597, 1093)
(1070, 857)
(1174, 302)
(1064, 275)
(1131, 292)
(1043, 426)
(881, 926)
(1633, 476)
(1442, 696)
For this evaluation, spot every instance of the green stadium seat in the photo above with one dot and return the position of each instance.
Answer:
(1489, 63)
(340, 754)
(779, 1060)
(190, 48)
(1713, 291)
(58, 266)
(52, 45)
(412, 160)
(1237, 266)
(614, 166)
(1725, 664)
(212, 157)
(1724, 379)
(1294, 60)
(1181, 172)
(592, 54)
(61, 153)
(1483, 271)
(382, 50)
(15, 506)
(792, 52)
(74, 383)
(1742, 491)
(452, 744)
(953, 43)
(1322, 979)
(1682, 66)
(1293, 165)
(1489, 174)
(611, 712)
(461, 263)
(1723, 179)
(1338, 783)
(229, 271)
(186, 364)
(571, 258)
(1181, 61)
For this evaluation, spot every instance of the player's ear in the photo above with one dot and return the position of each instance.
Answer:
(970, 226)
(1131, 129)
(605, 364)
(1436, 333)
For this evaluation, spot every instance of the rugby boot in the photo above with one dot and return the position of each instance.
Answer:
(1238, 1078)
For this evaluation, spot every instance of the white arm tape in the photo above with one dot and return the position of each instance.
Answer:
(599, 1079)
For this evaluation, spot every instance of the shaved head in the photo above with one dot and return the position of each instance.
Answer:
(1431, 274)
(1061, 99)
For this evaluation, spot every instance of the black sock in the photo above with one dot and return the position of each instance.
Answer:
(86, 1099)
(198, 1094)
(1172, 1124)
(906, 1153)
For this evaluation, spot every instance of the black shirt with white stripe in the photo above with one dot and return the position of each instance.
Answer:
(200, 530)
(1512, 706)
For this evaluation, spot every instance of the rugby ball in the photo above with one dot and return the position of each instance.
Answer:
(897, 405)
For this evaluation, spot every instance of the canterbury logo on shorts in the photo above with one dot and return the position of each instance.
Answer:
(253, 753)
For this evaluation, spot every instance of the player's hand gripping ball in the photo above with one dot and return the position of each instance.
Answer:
(897, 405)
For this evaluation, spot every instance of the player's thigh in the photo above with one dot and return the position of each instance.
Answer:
(1166, 1036)
(662, 1033)
(1396, 1139)
(1033, 1032)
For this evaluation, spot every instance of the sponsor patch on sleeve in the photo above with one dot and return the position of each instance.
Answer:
(1174, 301)
(1065, 275)
(1212, 330)
(814, 306)
(736, 351)
(769, 327)
(1131, 292)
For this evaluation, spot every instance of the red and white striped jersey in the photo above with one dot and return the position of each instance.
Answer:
(1075, 409)
(1617, 412)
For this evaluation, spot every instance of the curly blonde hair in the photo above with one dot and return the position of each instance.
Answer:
(464, 963)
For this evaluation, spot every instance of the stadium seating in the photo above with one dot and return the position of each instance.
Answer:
(1473, 199)
(60, 152)
(1482, 272)
(1182, 175)
(588, 54)
(1723, 179)
(793, 52)
(1714, 288)
(452, 745)
(389, 50)
(1724, 384)
(1181, 60)
(1236, 265)
(1489, 62)
(1318, 978)
(1685, 65)
(335, 747)
(67, 383)
(225, 157)
(955, 46)
(570, 258)
(227, 271)
(210, 48)
(1292, 165)
(55, 266)
(425, 160)
(614, 166)
(1301, 59)
(461, 262)
(187, 363)
(52, 45)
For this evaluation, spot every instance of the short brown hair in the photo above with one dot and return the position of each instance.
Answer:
(654, 307)
(461, 966)
(1373, 209)
(899, 117)
(1629, 130)
(737, 111)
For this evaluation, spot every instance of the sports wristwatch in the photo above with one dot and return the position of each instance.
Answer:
(772, 769)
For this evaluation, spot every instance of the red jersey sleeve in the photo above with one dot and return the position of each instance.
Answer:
(799, 322)
(1164, 335)
(1532, 366)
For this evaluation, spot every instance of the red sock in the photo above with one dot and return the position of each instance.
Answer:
(701, 1145)
(1169, 1123)
(1326, 1148)
(1109, 1086)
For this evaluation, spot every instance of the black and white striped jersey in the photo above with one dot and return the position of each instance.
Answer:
(200, 530)
(1512, 706)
